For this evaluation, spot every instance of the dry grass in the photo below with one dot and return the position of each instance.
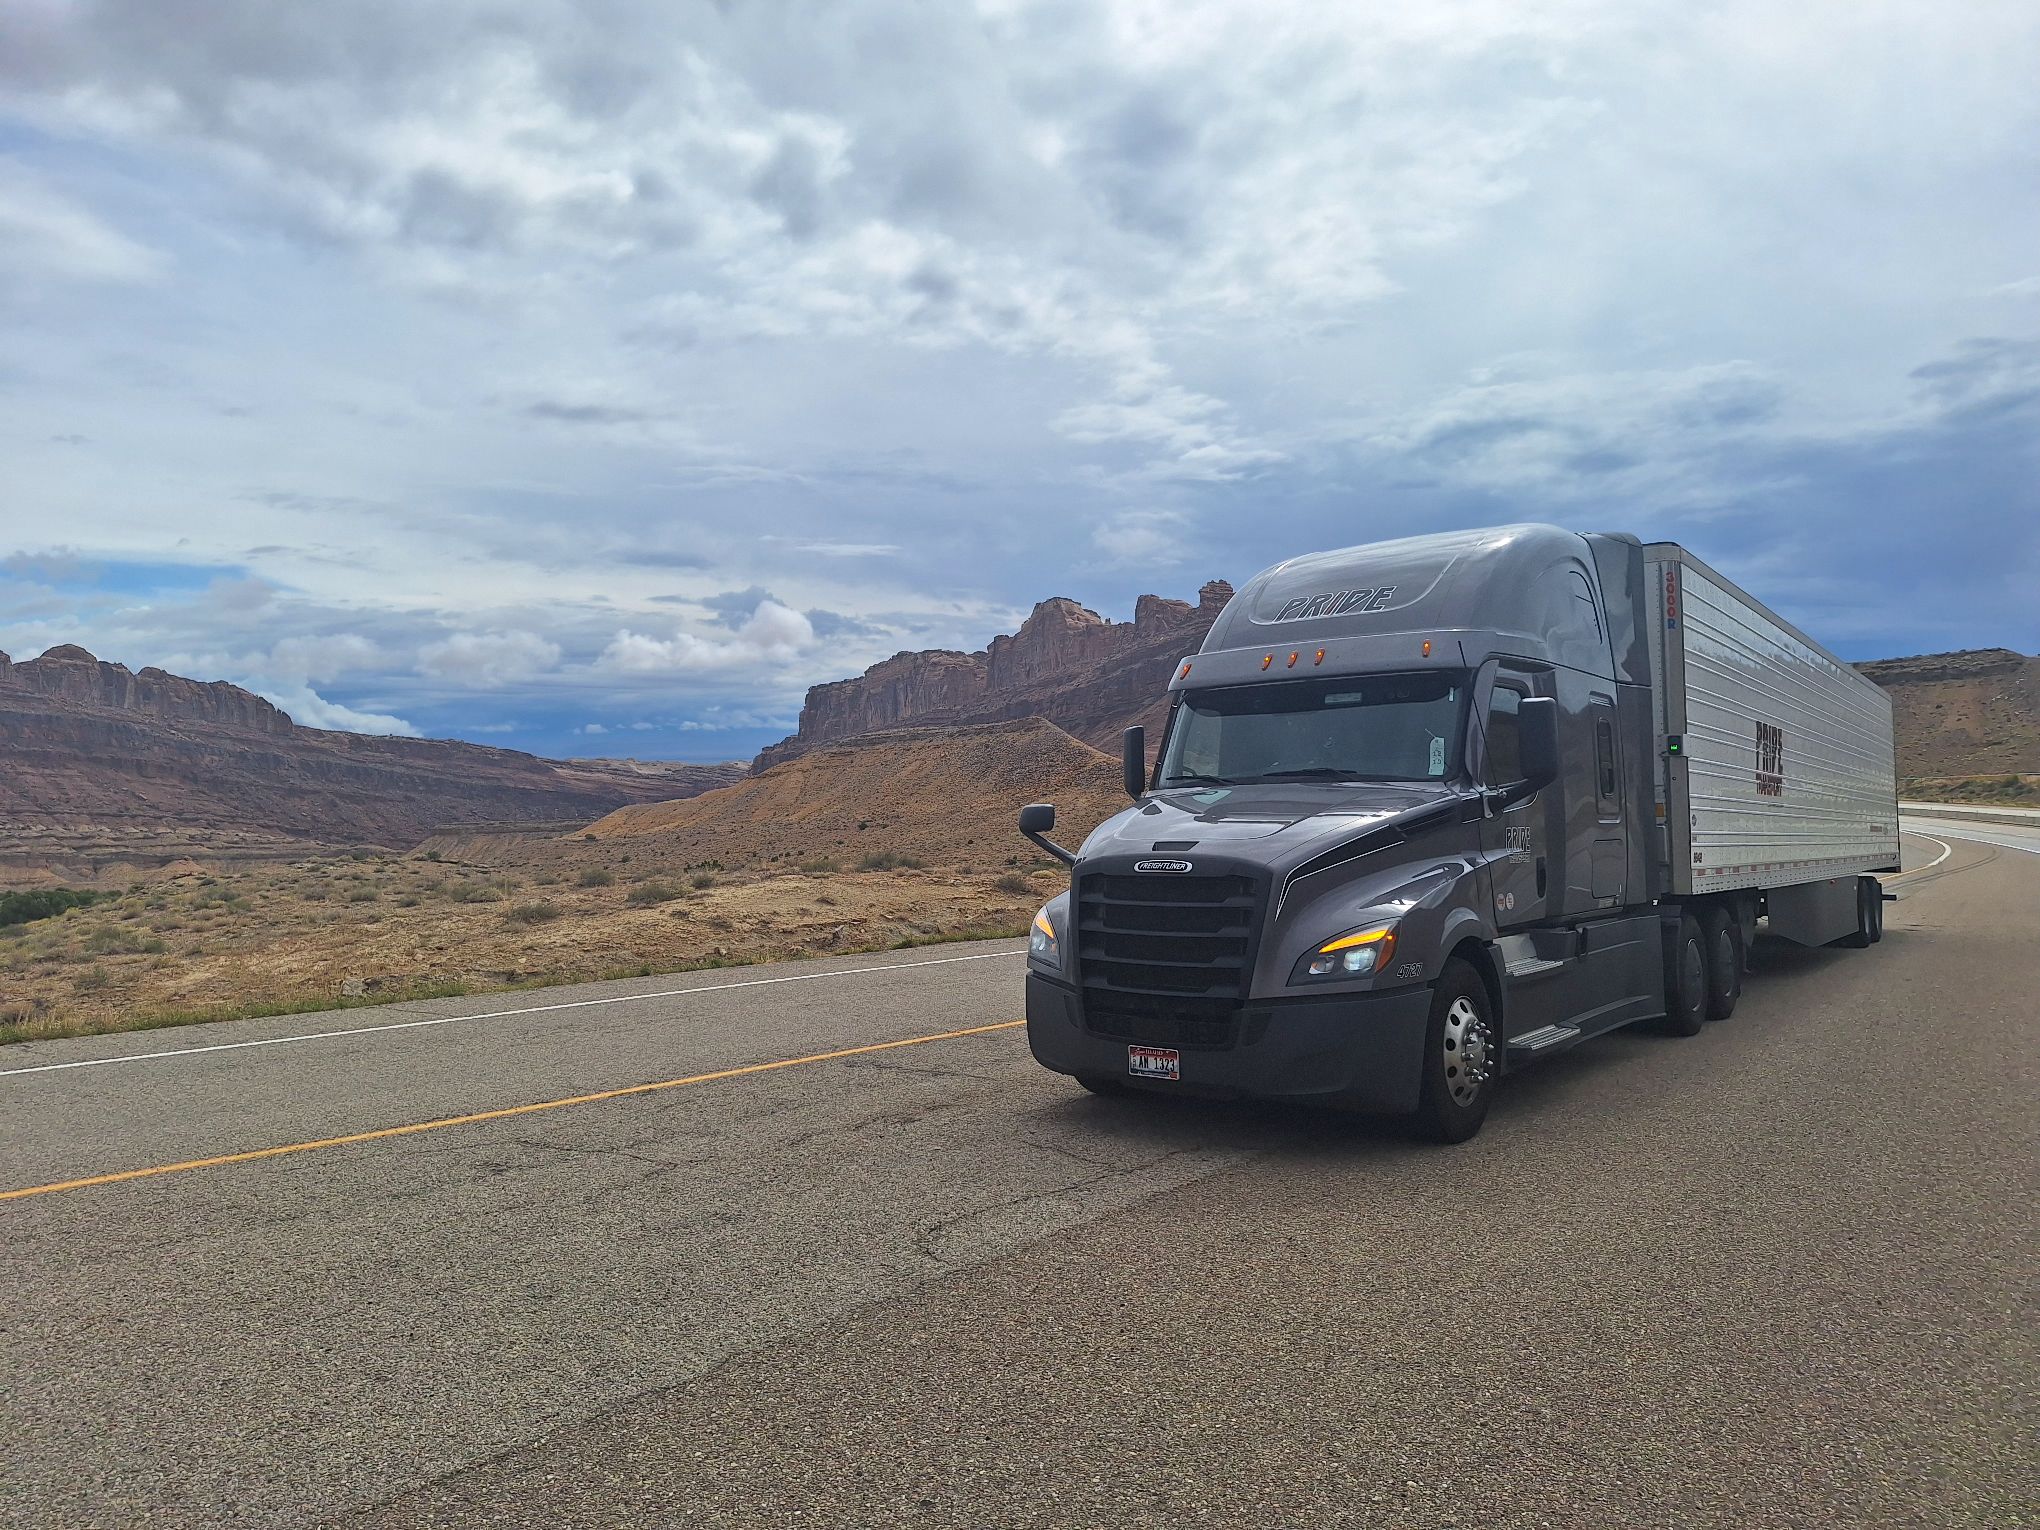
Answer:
(192, 945)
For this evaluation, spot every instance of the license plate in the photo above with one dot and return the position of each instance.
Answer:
(1154, 1062)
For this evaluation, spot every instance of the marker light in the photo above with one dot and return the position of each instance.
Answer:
(1427, 648)
(1320, 657)
(1354, 955)
(1267, 661)
(1293, 658)
(1184, 673)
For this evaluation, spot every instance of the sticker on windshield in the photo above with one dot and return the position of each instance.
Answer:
(1437, 757)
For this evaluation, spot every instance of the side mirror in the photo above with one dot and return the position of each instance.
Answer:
(1537, 742)
(1036, 819)
(1133, 761)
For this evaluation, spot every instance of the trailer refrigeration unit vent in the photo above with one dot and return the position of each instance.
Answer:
(1165, 960)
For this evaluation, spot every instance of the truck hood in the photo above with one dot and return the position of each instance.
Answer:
(1277, 819)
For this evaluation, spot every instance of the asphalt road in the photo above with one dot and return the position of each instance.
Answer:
(1777, 1274)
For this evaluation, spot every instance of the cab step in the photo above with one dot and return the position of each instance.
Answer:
(1542, 1042)
(1530, 968)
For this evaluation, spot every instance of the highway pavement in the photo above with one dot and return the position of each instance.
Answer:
(818, 1245)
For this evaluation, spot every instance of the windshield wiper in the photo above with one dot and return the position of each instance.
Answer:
(1313, 773)
(1193, 779)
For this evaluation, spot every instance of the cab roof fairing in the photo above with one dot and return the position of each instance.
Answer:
(1527, 591)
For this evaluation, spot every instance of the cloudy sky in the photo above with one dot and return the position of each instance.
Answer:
(592, 377)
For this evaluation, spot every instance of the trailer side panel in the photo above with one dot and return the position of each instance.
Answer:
(1784, 770)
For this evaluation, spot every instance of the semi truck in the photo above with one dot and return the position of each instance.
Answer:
(1429, 810)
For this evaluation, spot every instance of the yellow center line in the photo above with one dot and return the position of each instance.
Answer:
(503, 1114)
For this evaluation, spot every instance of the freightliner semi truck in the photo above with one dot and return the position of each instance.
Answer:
(1429, 810)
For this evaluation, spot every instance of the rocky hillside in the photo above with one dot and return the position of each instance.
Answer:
(945, 795)
(101, 763)
(1089, 676)
(1971, 713)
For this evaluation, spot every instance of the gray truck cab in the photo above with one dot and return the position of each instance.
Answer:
(1399, 838)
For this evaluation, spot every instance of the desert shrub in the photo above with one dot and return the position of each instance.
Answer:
(432, 855)
(42, 902)
(532, 913)
(596, 876)
(1013, 882)
(409, 900)
(92, 979)
(701, 881)
(821, 866)
(647, 893)
(477, 892)
(362, 895)
(889, 860)
(153, 945)
(111, 942)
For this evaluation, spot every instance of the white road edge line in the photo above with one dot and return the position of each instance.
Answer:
(1946, 851)
(502, 1014)
(1997, 834)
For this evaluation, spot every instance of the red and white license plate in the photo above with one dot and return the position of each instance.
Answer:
(1154, 1062)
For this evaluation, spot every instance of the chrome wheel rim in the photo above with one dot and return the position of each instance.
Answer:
(1466, 1051)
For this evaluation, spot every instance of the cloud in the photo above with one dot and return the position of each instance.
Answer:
(1149, 537)
(47, 236)
(774, 635)
(323, 657)
(308, 707)
(489, 658)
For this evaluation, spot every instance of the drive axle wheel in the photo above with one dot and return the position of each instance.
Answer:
(1685, 978)
(1722, 939)
(1460, 1057)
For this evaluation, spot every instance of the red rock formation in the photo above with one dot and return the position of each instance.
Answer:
(96, 750)
(1089, 676)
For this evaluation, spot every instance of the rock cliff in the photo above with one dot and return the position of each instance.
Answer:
(115, 764)
(1089, 676)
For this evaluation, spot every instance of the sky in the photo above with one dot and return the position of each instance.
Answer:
(592, 378)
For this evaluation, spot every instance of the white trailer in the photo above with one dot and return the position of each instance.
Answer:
(1775, 762)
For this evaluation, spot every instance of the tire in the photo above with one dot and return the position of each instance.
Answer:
(1864, 917)
(1108, 1088)
(1685, 979)
(1876, 910)
(1723, 946)
(1462, 1056)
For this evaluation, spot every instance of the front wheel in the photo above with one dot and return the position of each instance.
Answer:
(1461, 1057)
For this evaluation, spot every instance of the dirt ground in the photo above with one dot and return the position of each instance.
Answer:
(190, 942)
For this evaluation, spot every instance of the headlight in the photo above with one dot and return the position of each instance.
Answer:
(1042, 944)
(1360, 954)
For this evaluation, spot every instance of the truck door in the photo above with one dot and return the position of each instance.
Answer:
(1516, 842)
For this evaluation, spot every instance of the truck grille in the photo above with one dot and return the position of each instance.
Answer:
(1165, 959)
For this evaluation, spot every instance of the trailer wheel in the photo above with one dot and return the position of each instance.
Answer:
(1724, 962)
(1869, 910)
(1462, 1055)
(1876, 891)
(1685, 978)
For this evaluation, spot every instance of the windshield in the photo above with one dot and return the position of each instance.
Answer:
(1401, 727)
